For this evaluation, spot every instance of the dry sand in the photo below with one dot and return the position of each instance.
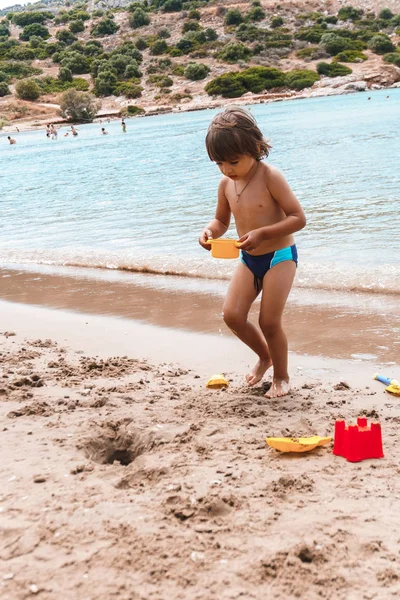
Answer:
(125, 478)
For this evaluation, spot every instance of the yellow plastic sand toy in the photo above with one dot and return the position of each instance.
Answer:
(393, 386)
(216, 382)
(297, 444)
(224, 248)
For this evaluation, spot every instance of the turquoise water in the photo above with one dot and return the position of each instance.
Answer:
(139, 200)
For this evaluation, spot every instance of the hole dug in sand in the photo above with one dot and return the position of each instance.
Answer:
(111, 442)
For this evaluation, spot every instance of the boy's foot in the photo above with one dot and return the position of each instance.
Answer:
(278, 388)
(258, 372)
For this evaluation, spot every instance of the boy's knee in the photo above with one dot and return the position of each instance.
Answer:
(232, 319)
(269, 326)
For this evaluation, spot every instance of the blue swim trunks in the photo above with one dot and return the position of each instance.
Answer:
(260, 265)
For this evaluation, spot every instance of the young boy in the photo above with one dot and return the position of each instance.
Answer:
(267, 213)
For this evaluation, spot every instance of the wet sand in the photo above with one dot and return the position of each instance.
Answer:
(123, 476)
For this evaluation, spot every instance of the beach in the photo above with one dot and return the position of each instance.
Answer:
(123, 476)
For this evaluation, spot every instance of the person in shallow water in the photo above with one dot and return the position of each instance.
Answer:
(267, 213)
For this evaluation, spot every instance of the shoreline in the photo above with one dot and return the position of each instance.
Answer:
(253, 99)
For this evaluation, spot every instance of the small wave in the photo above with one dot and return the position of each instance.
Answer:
(338, 277)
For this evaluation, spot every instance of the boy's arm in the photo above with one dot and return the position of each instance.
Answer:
(219, 225)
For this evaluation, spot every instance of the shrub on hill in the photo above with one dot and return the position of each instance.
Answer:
(333, 69)
(349, 13)
(18, 70)
(190, 26)
(21, 53)
(28, 89)
(196, 71)
(172, 6)
(65, 74)
(276, 22)
(105, 27)
(333, 43)
(50, 85)
(105, 83)
(381, 44)
(255, 14)
(386, 14)
(139, 19)
(194, 14)
(128, 89)
(93, 48)
(299, 79)
(392, 58)
(66, 36)
(158, 47)
(78, 106)
(76, 62)
(27, 18)
(4, 89)
(311, 34)
(233, 52)
(35, 29)
(133, 110)
(77, 26)
(351, 56)
(233, 17)
(4, 29)
(254, 79)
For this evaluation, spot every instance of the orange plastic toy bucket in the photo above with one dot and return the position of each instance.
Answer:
(224, 248)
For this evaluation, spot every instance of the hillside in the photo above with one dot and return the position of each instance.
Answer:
(163, 55)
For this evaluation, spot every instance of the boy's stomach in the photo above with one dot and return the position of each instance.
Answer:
(273, 244)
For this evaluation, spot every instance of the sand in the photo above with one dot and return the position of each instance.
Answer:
(124, 477)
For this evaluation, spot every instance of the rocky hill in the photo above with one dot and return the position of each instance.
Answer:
(162, 55)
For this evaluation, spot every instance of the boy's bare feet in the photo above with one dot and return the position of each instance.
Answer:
(278, 388)
(258, 372)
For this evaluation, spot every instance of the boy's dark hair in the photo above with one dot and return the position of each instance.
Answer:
(234, 132)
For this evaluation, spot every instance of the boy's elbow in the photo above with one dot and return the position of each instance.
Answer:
(302, 221)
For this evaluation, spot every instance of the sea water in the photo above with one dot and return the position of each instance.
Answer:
(137, 201)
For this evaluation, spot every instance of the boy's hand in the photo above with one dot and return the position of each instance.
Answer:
(206, 234)
(251, 241)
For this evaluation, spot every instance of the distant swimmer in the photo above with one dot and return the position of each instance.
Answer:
(66, 134)
(123, 124)
(53, 132)
(11, 140)
(103, 131)
(48, 131)
(74, 131)
(369, 97)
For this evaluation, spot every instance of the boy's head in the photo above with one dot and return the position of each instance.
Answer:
(232, 133)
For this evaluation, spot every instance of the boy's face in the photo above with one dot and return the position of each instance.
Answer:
(237, 167)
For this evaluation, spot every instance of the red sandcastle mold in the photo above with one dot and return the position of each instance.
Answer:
(358, 442)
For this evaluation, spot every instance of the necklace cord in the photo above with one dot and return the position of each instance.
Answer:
(251, 178)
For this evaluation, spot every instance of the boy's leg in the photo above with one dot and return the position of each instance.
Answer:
(276, 287)
(240, 296)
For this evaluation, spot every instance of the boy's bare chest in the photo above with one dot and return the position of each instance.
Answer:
(256, 201)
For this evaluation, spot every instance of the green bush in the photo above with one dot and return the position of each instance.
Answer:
(392, 58)
(194, 14)
(66, 36)
(349, 13)
(333, 44)
(333, 69)
(65, 74)
(76, 26)
(160, 81)
(196, 71)
(18, 70)
(381, 44)
(233, 52)
(128, 89)
(105, 27)
(254, 79)
(50, 85)
(6, 78)
(190, 26)
(135, 110)
(27, 89)
(76, 62)
(211, 34)
(351, 56)
(4, 89)
(141, 43)
(105, 83)
(233, 17)
(93, 48)
(276, 22)
(158, 47)
(21, 53)
(227, 85)
(35, 29)
(4, 30)
(139, 19)
(298, 79)
(172, 6)
(27, 18)
(132, 70)
(311, 34)
(78, 106)
(255, 14)
(386, 14)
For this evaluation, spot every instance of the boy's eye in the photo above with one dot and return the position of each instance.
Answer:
(234, 162)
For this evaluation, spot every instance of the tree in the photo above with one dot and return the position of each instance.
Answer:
(4, 89)
(105, 27)
(76, 26)
(196, 71)
(27, 89)
(35, 29)
(139, 19)
(65, 74)
(105, 83)
(78, 106)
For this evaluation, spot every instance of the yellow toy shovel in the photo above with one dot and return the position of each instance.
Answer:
(393, 386)
(216, 382)
(297, 444)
